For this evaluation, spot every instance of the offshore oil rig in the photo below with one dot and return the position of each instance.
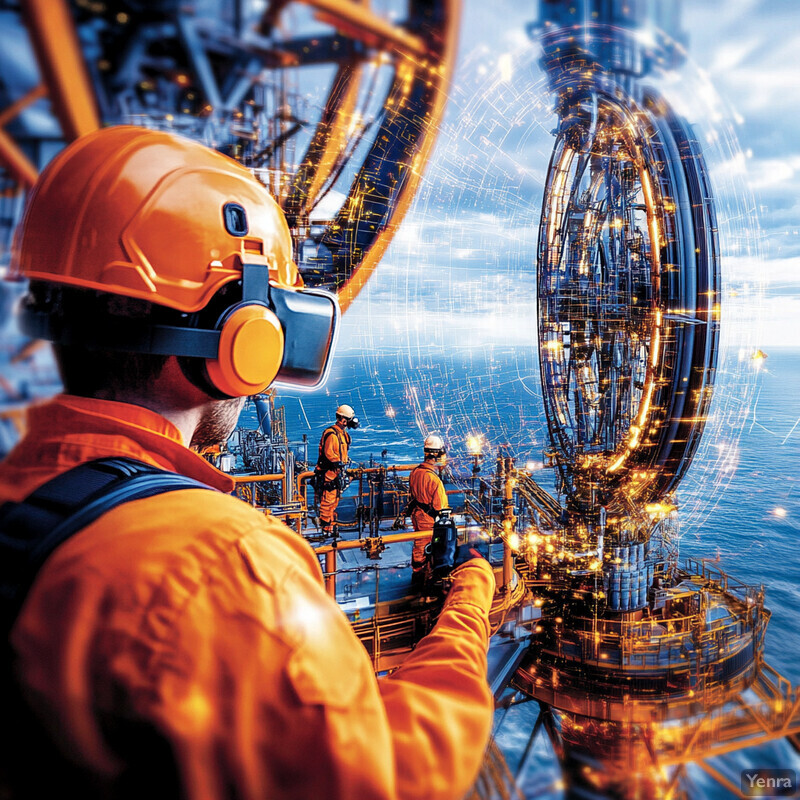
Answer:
(639, 662)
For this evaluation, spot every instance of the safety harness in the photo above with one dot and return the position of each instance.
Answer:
(414, 504)
(33, 528)
(324, 464)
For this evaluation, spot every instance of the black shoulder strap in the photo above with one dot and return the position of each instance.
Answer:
(413, 503)
(323, 462)
(32, 529)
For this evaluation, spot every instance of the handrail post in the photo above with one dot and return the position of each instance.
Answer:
(330, 569)
(509, 521)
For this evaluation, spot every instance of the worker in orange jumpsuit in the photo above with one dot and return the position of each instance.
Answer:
(428, 497)
(182, 644)
(329, 473)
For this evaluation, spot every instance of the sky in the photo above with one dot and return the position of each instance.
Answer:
(751, 52)
(461, 270)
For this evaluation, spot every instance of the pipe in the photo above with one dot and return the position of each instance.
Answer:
(275, 476)
(12, 111)
(360, 495)
(509, 521)
(356, 472)
(263, 414)
(288, 477)
(16, 162)
(601, 536)
(508, 567)
(302, 477)
(390, 468)
(330, 569)
(356, 544)
(359, 22)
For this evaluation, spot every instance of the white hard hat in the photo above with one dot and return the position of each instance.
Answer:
(345, 411)
(434, 443)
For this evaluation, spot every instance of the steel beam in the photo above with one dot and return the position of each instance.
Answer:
(20, 105)
(63, 69)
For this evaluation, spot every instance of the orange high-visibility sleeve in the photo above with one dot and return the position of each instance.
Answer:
(223, 643)
(191, 627)
(438, 703)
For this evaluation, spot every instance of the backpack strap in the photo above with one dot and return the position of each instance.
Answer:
(32, 529)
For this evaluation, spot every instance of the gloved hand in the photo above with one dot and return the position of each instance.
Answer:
(471, 583)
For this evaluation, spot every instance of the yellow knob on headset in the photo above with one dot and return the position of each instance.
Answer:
(250, 351)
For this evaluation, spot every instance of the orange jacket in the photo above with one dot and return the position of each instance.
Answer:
(426, 486)
(333, 447)
(204, 624)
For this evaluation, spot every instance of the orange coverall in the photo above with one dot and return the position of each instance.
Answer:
(425, 485)
(333, 447)
(191, 626)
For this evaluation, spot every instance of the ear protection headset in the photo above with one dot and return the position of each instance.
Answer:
(272, 335)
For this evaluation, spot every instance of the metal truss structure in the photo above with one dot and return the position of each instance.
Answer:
(321, 98)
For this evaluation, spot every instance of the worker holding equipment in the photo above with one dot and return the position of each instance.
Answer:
(165, 639)
(329, 474)
(428, 498)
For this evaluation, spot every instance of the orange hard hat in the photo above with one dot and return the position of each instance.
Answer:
(136, 212)
(152, 215)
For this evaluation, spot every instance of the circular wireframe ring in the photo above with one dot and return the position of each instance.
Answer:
(628, 282)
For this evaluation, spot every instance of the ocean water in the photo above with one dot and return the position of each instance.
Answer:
(741, 496)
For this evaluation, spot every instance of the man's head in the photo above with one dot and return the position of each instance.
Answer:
(346, 417)
(433, 447)
(147, 251)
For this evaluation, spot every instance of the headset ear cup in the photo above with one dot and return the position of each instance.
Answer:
(250, 351)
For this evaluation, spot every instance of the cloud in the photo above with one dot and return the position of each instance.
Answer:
(774, 272)
(773, 173)
(781, 323)
(731, 54)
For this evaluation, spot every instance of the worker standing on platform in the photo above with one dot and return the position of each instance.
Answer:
(173, 641)
(330, 473)
(428, 498)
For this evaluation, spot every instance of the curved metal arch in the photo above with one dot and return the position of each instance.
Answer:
(385, 185)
